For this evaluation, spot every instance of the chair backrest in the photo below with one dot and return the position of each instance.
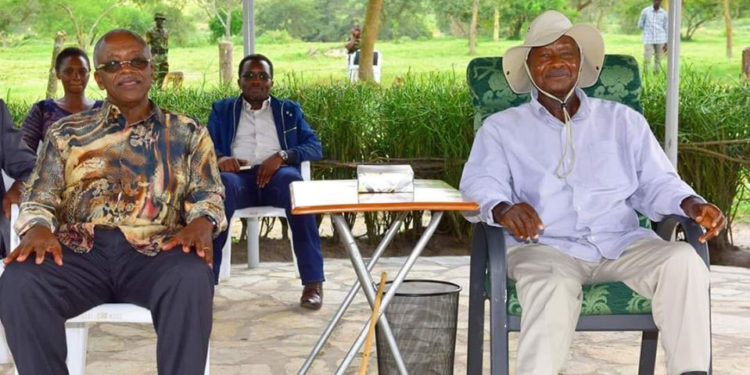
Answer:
(354, 58)
(619, 81)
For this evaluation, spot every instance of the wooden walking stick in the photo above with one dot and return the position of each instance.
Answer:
(373, 320)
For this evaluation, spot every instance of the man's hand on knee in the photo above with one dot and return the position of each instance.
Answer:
(39, 240)
(521, 219)
(197, 234)
(268, 169)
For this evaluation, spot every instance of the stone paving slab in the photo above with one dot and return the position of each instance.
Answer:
(259, 327)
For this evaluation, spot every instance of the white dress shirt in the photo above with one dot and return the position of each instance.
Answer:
(256, 138)
(619, 168)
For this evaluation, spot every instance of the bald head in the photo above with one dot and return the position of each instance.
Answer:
(118, 33)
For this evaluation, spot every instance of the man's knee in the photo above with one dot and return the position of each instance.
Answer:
(19, 282)
(189, 272)
(683, 259)
(287, 175)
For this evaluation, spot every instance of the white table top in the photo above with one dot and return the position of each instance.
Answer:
(337, 196)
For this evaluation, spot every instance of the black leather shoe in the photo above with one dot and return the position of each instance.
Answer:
(312, 296)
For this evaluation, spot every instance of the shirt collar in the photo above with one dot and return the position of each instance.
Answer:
(111, 112)
(583, 110)
(246, 106)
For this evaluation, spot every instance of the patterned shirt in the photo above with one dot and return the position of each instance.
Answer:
(148, 178)
(41, 116)
(654, 25)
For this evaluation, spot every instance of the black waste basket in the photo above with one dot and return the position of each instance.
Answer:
(422, 316)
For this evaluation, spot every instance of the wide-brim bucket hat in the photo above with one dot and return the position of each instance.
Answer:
(545, 29)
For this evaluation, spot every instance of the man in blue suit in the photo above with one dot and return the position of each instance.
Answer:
(270, 137)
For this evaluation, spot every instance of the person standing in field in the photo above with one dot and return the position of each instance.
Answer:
(653, 23)
(158, 40)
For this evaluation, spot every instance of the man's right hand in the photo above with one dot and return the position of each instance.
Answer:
(231, 164)
(39, 240)
(521, 219)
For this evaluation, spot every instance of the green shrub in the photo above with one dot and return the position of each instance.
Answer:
(430, 116)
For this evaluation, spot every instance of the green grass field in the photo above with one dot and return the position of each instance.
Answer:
(23, 69)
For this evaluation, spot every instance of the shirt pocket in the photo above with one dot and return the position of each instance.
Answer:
(605, 169)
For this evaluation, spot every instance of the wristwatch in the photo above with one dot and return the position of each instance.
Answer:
(212, 221)
(284, 155)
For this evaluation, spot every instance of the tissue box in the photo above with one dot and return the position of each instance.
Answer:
(385, 179)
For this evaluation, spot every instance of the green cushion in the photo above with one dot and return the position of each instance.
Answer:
(598, 299)
(490, 93)
(619, 81)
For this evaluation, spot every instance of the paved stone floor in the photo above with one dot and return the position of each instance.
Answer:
(259, 328)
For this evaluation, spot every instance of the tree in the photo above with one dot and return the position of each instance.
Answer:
(222, 11)
(696, 13)
(84, 37)
(369, 36)
(728, 24)
(473, 29)
(516, 13)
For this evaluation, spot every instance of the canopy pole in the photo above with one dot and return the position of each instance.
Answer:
(673, 81)
(248, 27)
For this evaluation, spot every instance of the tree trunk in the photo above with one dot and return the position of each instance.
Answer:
(600, 19)
(746, 63)
(225, 62)
(52, 78)
(496, 26)
(473, 28)
(369, 36)
(728, 23)
(228, 24)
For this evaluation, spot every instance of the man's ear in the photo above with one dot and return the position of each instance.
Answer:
(98, 79)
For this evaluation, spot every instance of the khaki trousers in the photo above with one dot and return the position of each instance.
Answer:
(549, 283)
(654, 50)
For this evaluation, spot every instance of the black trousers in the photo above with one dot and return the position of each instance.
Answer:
(36, 300)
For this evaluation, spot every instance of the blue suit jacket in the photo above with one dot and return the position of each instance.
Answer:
(296, 136)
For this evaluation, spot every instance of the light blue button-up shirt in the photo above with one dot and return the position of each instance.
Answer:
(619, 168)
(654, 25)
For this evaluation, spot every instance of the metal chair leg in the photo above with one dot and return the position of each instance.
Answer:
(649, 342)
(477, 294)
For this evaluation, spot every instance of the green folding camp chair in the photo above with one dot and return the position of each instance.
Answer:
(607, 306)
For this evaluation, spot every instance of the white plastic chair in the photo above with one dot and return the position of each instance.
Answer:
(354, 69)
(77, 329)
(253, 214)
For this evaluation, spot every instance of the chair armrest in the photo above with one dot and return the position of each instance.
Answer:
(666, 230)
(304, 168)
(488, 251)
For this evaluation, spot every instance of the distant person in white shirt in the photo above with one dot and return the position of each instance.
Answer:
(565, 174)
(653, 22)
(271, 138)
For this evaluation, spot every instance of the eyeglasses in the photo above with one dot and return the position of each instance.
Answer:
(263, 76)
(139, 63)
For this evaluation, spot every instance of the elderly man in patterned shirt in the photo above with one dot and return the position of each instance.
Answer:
(653, 22)
(114, 194)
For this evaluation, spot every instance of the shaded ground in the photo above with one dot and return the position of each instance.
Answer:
(278, 250)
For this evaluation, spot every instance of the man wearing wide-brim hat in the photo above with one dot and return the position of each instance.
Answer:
(564, 174)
